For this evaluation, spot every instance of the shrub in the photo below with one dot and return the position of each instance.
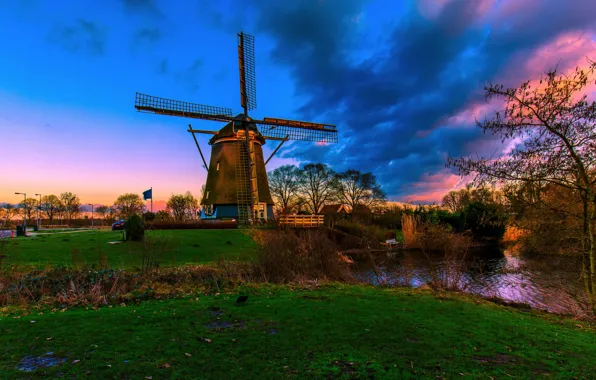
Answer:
(289, 256)
(135, 230)
(486, 221)
(148, 216)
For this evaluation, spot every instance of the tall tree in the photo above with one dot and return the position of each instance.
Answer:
(28, 207)
(315, 184)
(9, 211)
(556, 126)
(103, 211)
(177, 206)
(192, 205)
(283, 183)
(354, 188)
(71, 205)
(456, 200)
(128, 204)
(50, 205)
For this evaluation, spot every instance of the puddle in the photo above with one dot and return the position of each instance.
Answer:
(30, 363)
(216, 311)
(220, 325)
(272, 331)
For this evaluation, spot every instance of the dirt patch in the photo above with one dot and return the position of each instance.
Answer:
(30, 363)
(497, 359)
(317, 298)
(346, 368)
(412, 340)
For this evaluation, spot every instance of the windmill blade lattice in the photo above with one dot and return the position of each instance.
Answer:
(155, 104)
(277, 131)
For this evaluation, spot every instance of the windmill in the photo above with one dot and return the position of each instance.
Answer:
(237, 186)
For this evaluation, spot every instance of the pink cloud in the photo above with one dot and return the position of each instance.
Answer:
(569, 50)
(432, 187)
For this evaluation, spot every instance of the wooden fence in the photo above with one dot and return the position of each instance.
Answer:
(302, 221)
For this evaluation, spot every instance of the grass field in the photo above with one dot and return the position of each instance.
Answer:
(172, 247)
(344, 331)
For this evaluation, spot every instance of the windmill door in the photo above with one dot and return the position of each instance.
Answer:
(262, 211)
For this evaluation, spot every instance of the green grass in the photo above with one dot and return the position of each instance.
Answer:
(343, 331)
(174, 247)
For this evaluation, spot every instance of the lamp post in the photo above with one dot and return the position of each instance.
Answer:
(38, 211)
(91, 204)
(24, 215)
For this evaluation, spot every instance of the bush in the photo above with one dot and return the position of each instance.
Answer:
(135, 230)
(486, 221)
(148, 216)
(308, 255)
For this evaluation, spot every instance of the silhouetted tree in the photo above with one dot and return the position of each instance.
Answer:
(354, 188)
(71, 205)
(128, 204)
(283, 183)
(50, 205)
(315, 184)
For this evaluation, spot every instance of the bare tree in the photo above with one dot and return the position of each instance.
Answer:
(178, 205)
(315, 184)
(28, 207)
(71, 205)
(128, 204)
(9, 211)
(283, 183)
(192, 205)
(354, 188)
(50, 205)
(556, 125)
(103, 211)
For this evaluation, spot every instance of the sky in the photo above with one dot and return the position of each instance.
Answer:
(402, 80)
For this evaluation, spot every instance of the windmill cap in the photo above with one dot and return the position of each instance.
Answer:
(231, 129)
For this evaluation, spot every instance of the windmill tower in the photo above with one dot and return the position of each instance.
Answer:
(237, 186)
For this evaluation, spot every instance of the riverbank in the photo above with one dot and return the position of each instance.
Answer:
(336, 330)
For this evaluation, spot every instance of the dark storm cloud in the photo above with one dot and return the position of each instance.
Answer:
(145, 36)
(391, 108)
(145, 7)
(190, 76)
(82, 36)
(163, 67)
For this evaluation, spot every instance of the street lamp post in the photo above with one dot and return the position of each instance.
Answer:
(38, 211)
(24, 214)
(91, 204)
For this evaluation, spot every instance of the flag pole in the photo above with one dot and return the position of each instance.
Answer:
(151, 199)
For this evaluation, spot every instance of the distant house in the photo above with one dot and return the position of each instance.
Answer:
(334, 209)
(362, 214)
(333, 213)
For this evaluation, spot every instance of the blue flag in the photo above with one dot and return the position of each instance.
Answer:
(148, 194)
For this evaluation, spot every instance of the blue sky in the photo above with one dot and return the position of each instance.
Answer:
(402, 80)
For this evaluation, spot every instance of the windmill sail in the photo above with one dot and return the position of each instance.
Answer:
(246, 65)
(297, 130)
(163, 106)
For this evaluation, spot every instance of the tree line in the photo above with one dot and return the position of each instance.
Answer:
(67, 206)
(306, 189)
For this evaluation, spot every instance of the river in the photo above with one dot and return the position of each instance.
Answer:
(548, 282)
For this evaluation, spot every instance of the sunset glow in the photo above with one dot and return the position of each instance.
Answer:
(67, 120)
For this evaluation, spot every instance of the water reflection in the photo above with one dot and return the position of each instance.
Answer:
(544, 281)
